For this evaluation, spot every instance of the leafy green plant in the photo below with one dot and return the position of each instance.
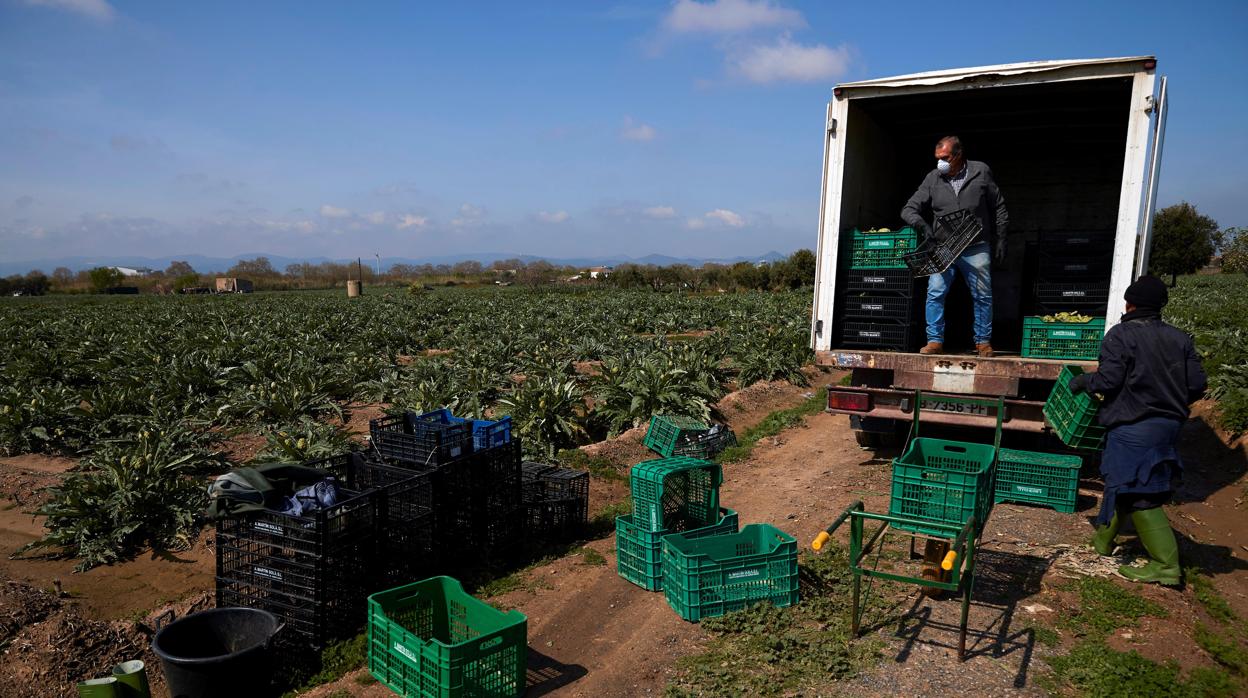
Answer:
(303, 440)
(548, 412)
(146, 491)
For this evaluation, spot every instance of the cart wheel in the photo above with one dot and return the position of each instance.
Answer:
(934, 552)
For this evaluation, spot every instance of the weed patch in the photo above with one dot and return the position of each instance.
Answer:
(336, 661)
(597, 466)
(592, 558)
(1105, 606)
(1225, 650)
(1209, 598)
(765, 651)
(1094, 669)
(772, 425)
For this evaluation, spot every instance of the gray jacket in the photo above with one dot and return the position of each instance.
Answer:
(979, 193)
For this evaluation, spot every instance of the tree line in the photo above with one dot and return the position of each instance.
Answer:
(795, 271)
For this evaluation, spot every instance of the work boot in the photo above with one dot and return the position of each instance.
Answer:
(1103, 541)
(1154, 530)
(933, 348)
(985, 349)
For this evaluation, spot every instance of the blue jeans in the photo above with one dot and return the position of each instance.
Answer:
(976, 267)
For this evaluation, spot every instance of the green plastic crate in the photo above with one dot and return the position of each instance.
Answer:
(707, 577)
(681, 488)
(639, 550)
(706, 445)
(881, 250)
(431, 640)
(942, 482)
(1050, 479)
(1073, 417)
(665, 433)
(1062, 340)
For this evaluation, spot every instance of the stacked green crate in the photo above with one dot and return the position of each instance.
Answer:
(670, 495)
(1050, 479)
(711, 576)
(431, 639)
(944, 482)
(881, 250)
(639, 550)
(1062, 340)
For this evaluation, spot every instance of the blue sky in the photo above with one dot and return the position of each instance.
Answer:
(558, 129)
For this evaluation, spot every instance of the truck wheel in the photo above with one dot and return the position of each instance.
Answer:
(868, 439)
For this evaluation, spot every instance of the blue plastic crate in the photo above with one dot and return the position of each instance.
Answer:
(489, 434)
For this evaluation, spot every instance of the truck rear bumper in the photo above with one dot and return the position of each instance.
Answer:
(951, 373)
(894, 403)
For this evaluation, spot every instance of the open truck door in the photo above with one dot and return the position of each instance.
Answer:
(1159, 113)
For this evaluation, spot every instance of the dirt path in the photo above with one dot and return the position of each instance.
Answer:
(593, 634)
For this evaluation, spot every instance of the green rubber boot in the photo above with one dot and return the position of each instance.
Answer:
(1103, 541)
(1158, 539)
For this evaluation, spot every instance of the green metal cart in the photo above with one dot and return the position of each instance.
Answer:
(942, 494)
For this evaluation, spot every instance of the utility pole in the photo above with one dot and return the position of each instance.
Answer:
(378, 265)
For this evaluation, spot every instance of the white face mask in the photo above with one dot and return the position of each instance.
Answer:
(943, 166)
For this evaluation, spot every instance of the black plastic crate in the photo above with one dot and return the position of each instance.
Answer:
(412, 440)
(312, 621)
(1055, 297)
(561, 483)
(954, 233)
(470, 496)
(1067, 267)
(895, 336)
(557, 519)
(1077, 242)
(896, 281)
(873, 306)
(323, 564)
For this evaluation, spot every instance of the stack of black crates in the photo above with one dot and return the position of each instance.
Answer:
(1071, 272)
(556, 500)
(879, 292)
(312, 570)
(435, 495)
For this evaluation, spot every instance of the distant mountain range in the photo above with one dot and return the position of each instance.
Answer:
(209, 265)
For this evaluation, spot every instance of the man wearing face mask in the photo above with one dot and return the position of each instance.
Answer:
(957, 184)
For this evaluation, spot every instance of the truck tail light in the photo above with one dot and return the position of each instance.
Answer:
(856, 402)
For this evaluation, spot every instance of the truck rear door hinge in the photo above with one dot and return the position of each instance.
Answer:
(831, 125)
(818, 328)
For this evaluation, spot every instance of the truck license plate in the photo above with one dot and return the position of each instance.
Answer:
(954, 406)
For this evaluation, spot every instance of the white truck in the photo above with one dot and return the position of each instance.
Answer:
(1075, 146)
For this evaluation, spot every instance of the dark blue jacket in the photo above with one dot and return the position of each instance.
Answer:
(1147, 369)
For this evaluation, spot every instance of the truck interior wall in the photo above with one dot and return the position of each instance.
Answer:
(1056, 150)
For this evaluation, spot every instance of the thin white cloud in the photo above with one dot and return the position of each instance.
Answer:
(726, 217)
(659, 213)
(695, 224)
(334, 212)
(469, 215)
(555, 217)
(788, 61)
(376, 217)
(729, 16)
(95, 9)
(637, 131)
(408, 220)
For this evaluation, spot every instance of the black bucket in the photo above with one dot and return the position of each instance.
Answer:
(218, 652)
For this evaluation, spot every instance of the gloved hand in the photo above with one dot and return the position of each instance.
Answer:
(999, 253)
(1075, 384)
(925, 230)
